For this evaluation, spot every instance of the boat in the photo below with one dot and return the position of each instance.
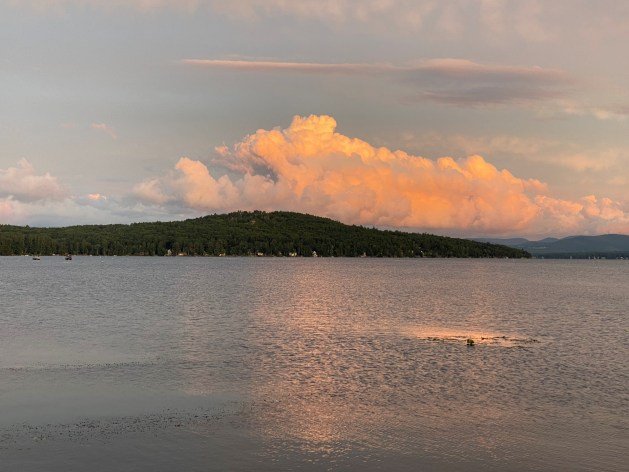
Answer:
(68, 257)
(36, 258)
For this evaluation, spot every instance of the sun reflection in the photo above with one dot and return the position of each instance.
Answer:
(491, 338)
(329, 372)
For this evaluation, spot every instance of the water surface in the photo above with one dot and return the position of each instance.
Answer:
(313, 364)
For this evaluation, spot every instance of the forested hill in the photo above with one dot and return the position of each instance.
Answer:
(241, 234)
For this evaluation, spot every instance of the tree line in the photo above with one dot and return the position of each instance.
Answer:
(241, 234)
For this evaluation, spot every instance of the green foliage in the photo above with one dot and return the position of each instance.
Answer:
(241, 234)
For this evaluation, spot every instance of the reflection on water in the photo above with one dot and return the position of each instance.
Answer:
(472, 338)
(278, 364)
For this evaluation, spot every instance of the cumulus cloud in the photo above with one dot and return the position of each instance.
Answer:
(309, 167)
(23, 183)
(30, 197)
(70, 211)
(449, 81)
(81, 209)
(588, 215)
(24, 192)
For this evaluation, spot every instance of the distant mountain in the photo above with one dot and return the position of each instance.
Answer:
(511, 242)
(242, 234)
(548, 240)
(606, 245)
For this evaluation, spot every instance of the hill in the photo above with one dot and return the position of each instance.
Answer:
(240, 234)
(606, 245)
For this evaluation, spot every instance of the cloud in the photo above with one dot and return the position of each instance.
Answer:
(141, 5)
(22, 183)
(26, 195)
(567, 155)
(618, 112)
(81, 209)
(411, 13)
(462, 82)
(588, 215)
(532, 21)
(311, 168)
(105, 128)
(30, 197)
(72, 210)
(448, 81)
(6, 210)
(442, 68)
(304, 67)
(149, 191)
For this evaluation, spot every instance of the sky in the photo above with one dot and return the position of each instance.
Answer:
(467, 118)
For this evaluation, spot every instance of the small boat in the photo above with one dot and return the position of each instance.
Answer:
(36, 258)
(68, 257)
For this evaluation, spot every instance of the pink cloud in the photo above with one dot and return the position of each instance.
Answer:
(305, 67)
(22, 183)
(149, 191)
(6, 210)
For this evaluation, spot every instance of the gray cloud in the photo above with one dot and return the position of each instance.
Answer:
(465, 83)
(450, 81)
(531, 20)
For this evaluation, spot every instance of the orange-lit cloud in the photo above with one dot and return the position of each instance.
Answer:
(309, 167)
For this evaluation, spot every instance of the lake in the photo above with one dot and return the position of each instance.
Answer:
(197, 364)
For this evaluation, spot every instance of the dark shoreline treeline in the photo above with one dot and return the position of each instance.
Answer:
(241, 234)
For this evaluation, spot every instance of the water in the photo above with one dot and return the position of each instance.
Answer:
(134, 364)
